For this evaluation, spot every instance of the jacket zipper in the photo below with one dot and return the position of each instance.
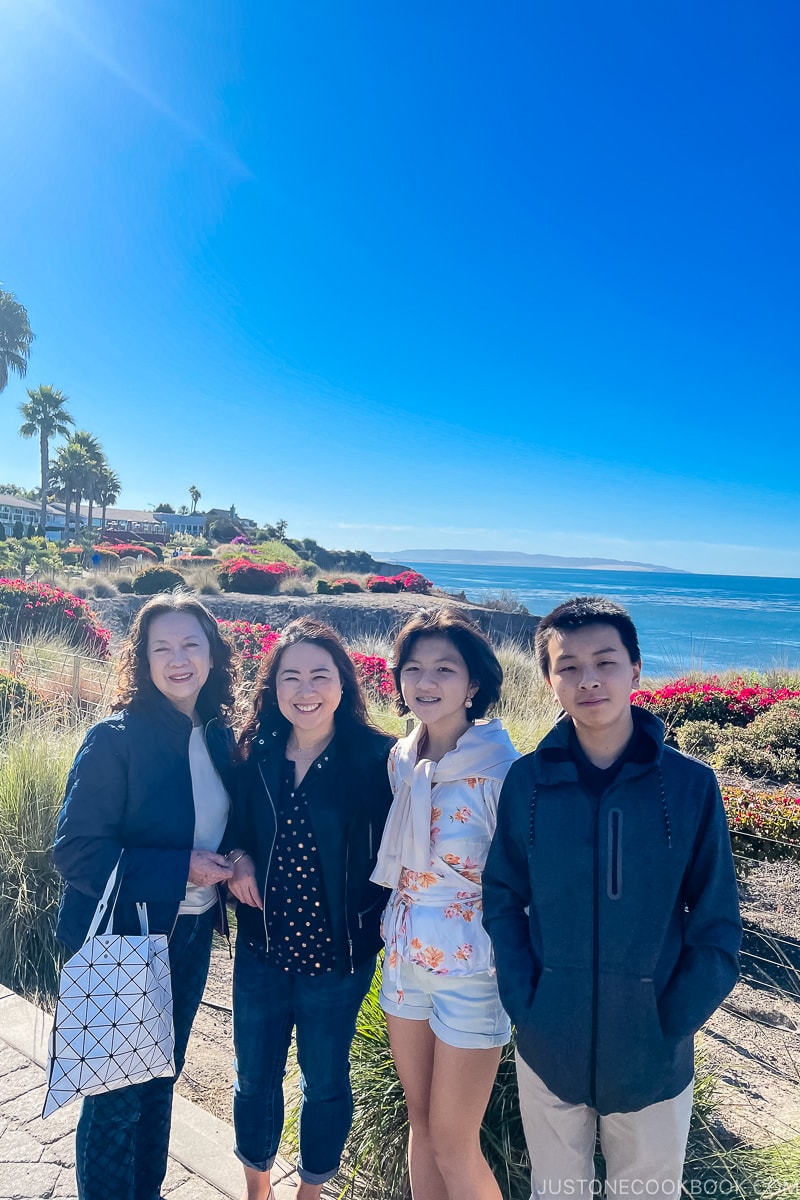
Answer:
(346, 921)
(222, 914)
(271, 849)
(595, 948)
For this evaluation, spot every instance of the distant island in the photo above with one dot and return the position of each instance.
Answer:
(516, 558)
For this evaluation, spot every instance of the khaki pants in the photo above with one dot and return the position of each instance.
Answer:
(644, 1151)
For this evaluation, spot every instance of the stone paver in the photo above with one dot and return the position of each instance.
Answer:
(37, 1157)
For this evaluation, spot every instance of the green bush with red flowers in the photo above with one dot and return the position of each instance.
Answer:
(28, 608)
(260, 579)
(404, 581)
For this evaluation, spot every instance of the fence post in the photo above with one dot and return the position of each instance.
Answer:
(76, 679)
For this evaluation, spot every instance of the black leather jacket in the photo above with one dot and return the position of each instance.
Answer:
(348, 800)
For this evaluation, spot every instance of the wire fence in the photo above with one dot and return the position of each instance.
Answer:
(59, 675)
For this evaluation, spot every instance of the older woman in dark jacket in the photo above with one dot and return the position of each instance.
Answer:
(149, 788)
(310, 807)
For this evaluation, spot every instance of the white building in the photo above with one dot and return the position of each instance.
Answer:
(15, 508)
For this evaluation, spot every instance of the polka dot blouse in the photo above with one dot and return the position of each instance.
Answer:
(300, 936)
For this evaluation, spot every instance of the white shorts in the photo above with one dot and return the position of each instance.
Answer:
(462, 1010)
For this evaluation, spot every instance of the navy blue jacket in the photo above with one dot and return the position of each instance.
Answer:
(614, 921)
(349, 797)
(130, 788)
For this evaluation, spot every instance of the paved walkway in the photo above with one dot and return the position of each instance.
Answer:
(37, 1159)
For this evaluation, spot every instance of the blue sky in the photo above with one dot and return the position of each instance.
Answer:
(515, 276)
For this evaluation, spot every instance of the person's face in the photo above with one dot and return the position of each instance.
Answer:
(309, 688)
(179, 657)
(592, 676)
(435, 682)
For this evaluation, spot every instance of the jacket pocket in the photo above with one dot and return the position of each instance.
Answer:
(632, 1056)
(555, 1037)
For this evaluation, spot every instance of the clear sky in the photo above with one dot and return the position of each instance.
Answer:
(519, 275)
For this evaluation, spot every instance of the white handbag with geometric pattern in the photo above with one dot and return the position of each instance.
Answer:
(113, 1021)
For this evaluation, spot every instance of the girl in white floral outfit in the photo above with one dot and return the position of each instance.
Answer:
(446, 1023)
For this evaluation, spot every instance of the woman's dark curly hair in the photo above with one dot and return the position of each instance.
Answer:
(471, 643)
(265, 716)
(134, 685)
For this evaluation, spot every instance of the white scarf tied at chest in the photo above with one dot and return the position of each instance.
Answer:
(485, 750)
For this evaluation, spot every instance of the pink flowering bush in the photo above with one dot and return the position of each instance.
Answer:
(404, 581)
(260, 579)
(733, 703)
(373, 675)
(27, 608)
(131, 550)
(252, 642)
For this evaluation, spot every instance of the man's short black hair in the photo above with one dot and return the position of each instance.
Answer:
(581, 611)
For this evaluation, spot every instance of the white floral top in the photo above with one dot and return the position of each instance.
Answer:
(434, 917)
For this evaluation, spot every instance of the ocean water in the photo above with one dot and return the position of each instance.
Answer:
(685, 622)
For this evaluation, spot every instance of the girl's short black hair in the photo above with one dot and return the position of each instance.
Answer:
(468, 638)
(581, 611)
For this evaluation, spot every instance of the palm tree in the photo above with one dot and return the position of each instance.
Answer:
(15, 338)
(46, 416)
(194, 496)
(71, 469)
(98, 464)
(108, 493)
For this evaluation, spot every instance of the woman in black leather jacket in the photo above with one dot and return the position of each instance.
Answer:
(310, 806)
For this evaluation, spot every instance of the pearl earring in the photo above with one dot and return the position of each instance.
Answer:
(468, 703)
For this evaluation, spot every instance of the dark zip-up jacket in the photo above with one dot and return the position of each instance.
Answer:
(349, 797)
(130, 789)
(614, 920)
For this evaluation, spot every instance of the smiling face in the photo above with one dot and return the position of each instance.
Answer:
(179, 658)
(592, 677)
(435, 684)
(308, 689)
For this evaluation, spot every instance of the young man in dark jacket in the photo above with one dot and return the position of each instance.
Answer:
(610, 897)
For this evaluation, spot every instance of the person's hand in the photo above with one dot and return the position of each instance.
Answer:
(206, 867)
(242, 883)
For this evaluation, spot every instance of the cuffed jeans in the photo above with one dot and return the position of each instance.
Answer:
(267, 1004)
(122, 1138)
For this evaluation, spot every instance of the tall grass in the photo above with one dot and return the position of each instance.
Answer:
(35, 757)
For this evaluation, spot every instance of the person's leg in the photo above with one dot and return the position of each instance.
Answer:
(105, 1142)
(560, 1137)
(326, 1009)
(644, 1151)
(263, 1016)
(189, 955)
(460, 1089)
(413, 1045)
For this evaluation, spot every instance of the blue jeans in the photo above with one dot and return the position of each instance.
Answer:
(267, 1004)
(122, 1138)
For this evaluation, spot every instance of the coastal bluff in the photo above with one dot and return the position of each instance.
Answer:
(354, 616)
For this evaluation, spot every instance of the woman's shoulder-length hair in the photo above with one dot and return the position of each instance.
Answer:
(135, 688)
(265, 718)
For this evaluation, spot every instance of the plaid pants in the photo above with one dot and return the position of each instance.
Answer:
(122, 1137)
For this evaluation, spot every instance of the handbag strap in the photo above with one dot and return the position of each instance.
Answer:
(102, 903)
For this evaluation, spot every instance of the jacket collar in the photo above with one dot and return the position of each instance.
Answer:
(553, 758)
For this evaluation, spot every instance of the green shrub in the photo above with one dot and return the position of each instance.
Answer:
(17, 699)
(322, 587)
(31, 789)
(157, 579)
(125, 586)
(766, 748)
